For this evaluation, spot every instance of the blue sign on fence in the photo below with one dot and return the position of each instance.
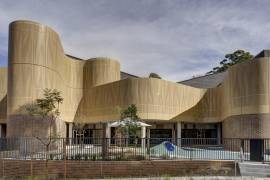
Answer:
(169, 146)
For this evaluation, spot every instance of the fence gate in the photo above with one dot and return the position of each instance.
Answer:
(257, 150)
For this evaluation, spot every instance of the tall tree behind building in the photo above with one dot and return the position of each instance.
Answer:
(236, 57)
(154, 75)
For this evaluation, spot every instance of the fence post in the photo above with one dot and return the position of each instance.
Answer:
(105, 138)
(178, 137)
(3, 166)
(65, 157)
(148, 148)
(235, 171)
(143, 136)
(31, 161)
(104, 148)
(242, 143)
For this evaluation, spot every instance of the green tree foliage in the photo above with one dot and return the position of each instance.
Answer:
(48, 109)
(130, 112)
(236, 57)
(154, 75)
(129, 117)
(49, 105)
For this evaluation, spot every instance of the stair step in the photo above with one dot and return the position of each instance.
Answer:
(254, 164)
(255, 174)
(254, 169)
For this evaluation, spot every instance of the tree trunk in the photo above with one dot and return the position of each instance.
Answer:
(104, 143)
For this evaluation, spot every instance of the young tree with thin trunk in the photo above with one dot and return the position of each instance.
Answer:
(130, 117)
(47, 108)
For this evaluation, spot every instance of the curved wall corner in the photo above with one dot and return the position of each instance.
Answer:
(246, 100)
(100, 70)
(155, 99)
(3, 95)
(243, 93)
(93, 92)
(37, 61)
(207, 110)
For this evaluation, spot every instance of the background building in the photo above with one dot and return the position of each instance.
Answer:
(234, 104)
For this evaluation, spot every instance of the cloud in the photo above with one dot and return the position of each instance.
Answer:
(176, 39)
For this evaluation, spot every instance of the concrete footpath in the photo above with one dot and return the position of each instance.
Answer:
(194, 178)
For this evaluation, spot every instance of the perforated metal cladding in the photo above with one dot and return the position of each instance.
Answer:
(93, 92)
(247, 126)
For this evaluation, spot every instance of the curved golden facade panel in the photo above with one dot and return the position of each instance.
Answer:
(243, 94)
(247, 126)
(93, 92)
(155, 99)
(92, 89)
(37, 61)
(245, 90)
(98, 71)
(3, 94)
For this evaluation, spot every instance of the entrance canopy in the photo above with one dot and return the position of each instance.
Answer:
(128, 122)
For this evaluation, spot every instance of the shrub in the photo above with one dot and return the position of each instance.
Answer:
(85, 157)
(78, 157)
(51, 156)
(165, 156)
(93, 157)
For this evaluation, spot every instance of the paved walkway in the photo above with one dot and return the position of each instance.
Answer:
(194, 178)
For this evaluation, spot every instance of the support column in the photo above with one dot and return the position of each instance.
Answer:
(0, 130)
(108, 134)
(219, 133)
(179, 134)
(174, 135)
(106, 140)
(148, 140)
(70, 133)
(1, 135)
(148, 133)
(143, 136)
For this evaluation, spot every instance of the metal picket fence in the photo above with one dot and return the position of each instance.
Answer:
(120, 149)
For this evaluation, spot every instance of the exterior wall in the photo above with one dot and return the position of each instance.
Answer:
(26, 126)
(3, 95)
(207, 110)
(247, 126)
(93, 92)
(243, 94)
(91, 89)
(37, 61)
(154, 98)
(245, 90)
(98, 71)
